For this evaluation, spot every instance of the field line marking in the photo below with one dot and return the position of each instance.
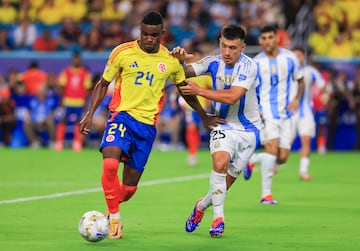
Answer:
(93, 190)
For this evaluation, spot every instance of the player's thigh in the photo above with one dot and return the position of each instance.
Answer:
(246, 148)
(285, 138)
(308, 126)
(270, 131)
(221, 142)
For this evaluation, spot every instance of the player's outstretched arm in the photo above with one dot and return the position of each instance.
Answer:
(96, 98)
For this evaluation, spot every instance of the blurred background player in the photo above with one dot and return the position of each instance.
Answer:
(42, 110)
(169, 122)
(278, 68)
(304, 122)
(75, 82)
(320, 98)
(7, 115)
(192, 121)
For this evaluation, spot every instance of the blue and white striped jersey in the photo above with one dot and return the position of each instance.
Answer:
(277, 77)
(243, 115)
(311, 76)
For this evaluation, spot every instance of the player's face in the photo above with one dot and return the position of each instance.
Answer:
(150, 37)
(231, 50)
(268, 41)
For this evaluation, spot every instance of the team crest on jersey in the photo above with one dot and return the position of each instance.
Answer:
(217, 144)
(110, 138)
(162, 67)
(227, 80)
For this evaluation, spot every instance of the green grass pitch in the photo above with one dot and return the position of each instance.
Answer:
(43, 195)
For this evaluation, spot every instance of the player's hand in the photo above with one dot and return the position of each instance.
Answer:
(293, 106)
(85, 124)
(211, 122)
(191, 88)
(181, 54)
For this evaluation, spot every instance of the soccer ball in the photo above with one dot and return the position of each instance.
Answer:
(93, 226)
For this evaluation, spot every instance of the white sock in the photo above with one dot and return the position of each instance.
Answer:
(115, 216)
(218, 192)
(267, 167)
(304, 165)
(256, 157)
(205, 202)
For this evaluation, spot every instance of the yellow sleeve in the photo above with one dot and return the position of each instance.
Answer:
(113, 66)
(179, 74)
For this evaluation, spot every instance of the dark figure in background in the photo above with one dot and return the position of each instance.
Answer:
(7, 115)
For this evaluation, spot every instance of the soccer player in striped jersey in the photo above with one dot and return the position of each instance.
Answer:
(140, 68)
(304, 122)
(234, 96)
(278, 68)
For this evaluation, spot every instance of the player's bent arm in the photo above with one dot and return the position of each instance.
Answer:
(229, 96)
(301, 87)
(98, 95)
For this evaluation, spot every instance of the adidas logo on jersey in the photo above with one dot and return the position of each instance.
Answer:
(134, 65)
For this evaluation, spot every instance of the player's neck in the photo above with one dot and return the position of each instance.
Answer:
(273, 53)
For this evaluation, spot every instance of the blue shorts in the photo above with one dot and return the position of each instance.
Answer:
(192, 117)
(321, 117)
(73, 113)
(134, 138)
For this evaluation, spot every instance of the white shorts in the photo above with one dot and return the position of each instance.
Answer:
(277, 129)
(304, 126)
(239, 144)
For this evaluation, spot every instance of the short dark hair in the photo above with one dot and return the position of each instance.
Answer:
(299, 48)
(232, 31)
(34, 64)
(152, 17)
(268, 28)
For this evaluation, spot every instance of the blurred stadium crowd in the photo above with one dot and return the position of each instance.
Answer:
(31, 100)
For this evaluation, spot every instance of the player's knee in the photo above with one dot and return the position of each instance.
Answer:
(220, 166)
(281, 160)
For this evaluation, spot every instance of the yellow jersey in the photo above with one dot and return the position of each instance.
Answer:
(140, 79)
(203, 81)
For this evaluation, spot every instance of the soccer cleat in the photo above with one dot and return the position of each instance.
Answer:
(217, 227)
(305, 177)
(116, 227)
(194, 219)
(268, 199)
(248, 170)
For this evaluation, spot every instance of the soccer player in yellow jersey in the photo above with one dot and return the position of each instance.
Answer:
(140, 68)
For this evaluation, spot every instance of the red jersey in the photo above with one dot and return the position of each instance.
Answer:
(316, 94)
(76, 82)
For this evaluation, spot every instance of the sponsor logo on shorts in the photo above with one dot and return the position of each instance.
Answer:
(110, 138)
